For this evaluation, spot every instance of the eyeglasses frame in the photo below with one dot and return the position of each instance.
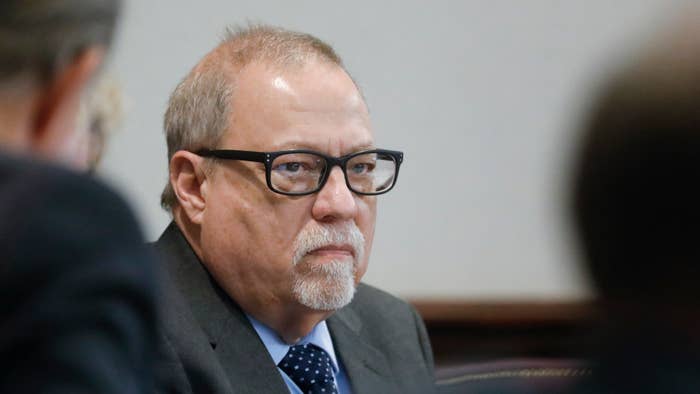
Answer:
(268, 157)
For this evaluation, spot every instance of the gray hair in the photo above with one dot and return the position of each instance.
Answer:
(39, 36)
(199, 108)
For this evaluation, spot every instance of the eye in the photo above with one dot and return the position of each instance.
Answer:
(362, 168)
(289, 167)
(297, 164)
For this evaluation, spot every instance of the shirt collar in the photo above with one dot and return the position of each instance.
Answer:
(319, 336)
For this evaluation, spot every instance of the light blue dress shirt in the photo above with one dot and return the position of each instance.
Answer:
(319, 336)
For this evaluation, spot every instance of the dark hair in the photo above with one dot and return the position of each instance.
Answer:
(37, 36)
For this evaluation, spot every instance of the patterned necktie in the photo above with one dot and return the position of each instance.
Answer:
(310, 368)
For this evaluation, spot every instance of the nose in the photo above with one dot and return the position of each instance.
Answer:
(334, 201)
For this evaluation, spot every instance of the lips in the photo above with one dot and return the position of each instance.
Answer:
(345, 250)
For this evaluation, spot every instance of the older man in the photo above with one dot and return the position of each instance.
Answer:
(273, 182)
(77, 311)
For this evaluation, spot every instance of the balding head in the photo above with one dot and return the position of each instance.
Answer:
(200, 108)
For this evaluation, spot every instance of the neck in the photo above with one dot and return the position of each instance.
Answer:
(189, 230)
(291, 324)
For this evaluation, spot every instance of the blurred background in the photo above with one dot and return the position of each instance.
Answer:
(484, 98)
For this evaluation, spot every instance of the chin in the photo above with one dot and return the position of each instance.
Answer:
(327, 287)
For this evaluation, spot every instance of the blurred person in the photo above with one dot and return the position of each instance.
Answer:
(77, 306)
(274, 177)
(636, 208)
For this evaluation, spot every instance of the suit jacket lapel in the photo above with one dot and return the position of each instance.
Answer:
(367, 368)
(241, 353)
(245, 358)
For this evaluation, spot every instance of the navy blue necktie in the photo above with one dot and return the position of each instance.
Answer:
(310, 368)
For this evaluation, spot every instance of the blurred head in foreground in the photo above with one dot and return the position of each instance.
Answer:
(636, 207)
(49, 52)
(636, 200)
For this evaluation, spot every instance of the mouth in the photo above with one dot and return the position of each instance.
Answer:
(337, 251)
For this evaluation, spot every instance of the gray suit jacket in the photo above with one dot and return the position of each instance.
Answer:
(209, 346)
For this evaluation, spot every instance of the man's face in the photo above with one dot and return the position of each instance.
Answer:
(266, 249)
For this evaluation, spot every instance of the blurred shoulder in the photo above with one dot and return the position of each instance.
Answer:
(53, 216)
(22, 175)
(33, 189)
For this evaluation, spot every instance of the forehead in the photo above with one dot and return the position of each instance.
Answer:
(315, 106)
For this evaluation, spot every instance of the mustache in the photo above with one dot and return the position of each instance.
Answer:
(346, 233)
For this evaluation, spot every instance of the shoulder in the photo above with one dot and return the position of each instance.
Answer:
(370, 300)
(393, 326)
(36, 198)
(386, 318)
(43, 187)
(73, 262)
(58, 223)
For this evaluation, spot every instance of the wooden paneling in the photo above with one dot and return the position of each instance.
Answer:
(478, 331)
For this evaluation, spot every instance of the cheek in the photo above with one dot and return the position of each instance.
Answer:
(228, 224)
(366, 219)
(259, 227)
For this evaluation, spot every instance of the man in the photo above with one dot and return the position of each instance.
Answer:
(77, 306)
(635, 205)
(273, 183)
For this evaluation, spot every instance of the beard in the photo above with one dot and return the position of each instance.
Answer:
(326, 285)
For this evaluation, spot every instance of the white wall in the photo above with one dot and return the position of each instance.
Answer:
(481, 95)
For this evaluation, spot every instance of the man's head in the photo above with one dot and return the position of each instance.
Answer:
(49, 51)
(265, 90)
(636, 200)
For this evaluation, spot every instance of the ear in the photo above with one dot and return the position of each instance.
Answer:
(58, 105)
(189, 182)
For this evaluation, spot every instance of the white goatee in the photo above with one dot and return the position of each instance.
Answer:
(329, 285)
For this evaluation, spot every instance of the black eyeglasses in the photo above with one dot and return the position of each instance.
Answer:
(301, 172)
